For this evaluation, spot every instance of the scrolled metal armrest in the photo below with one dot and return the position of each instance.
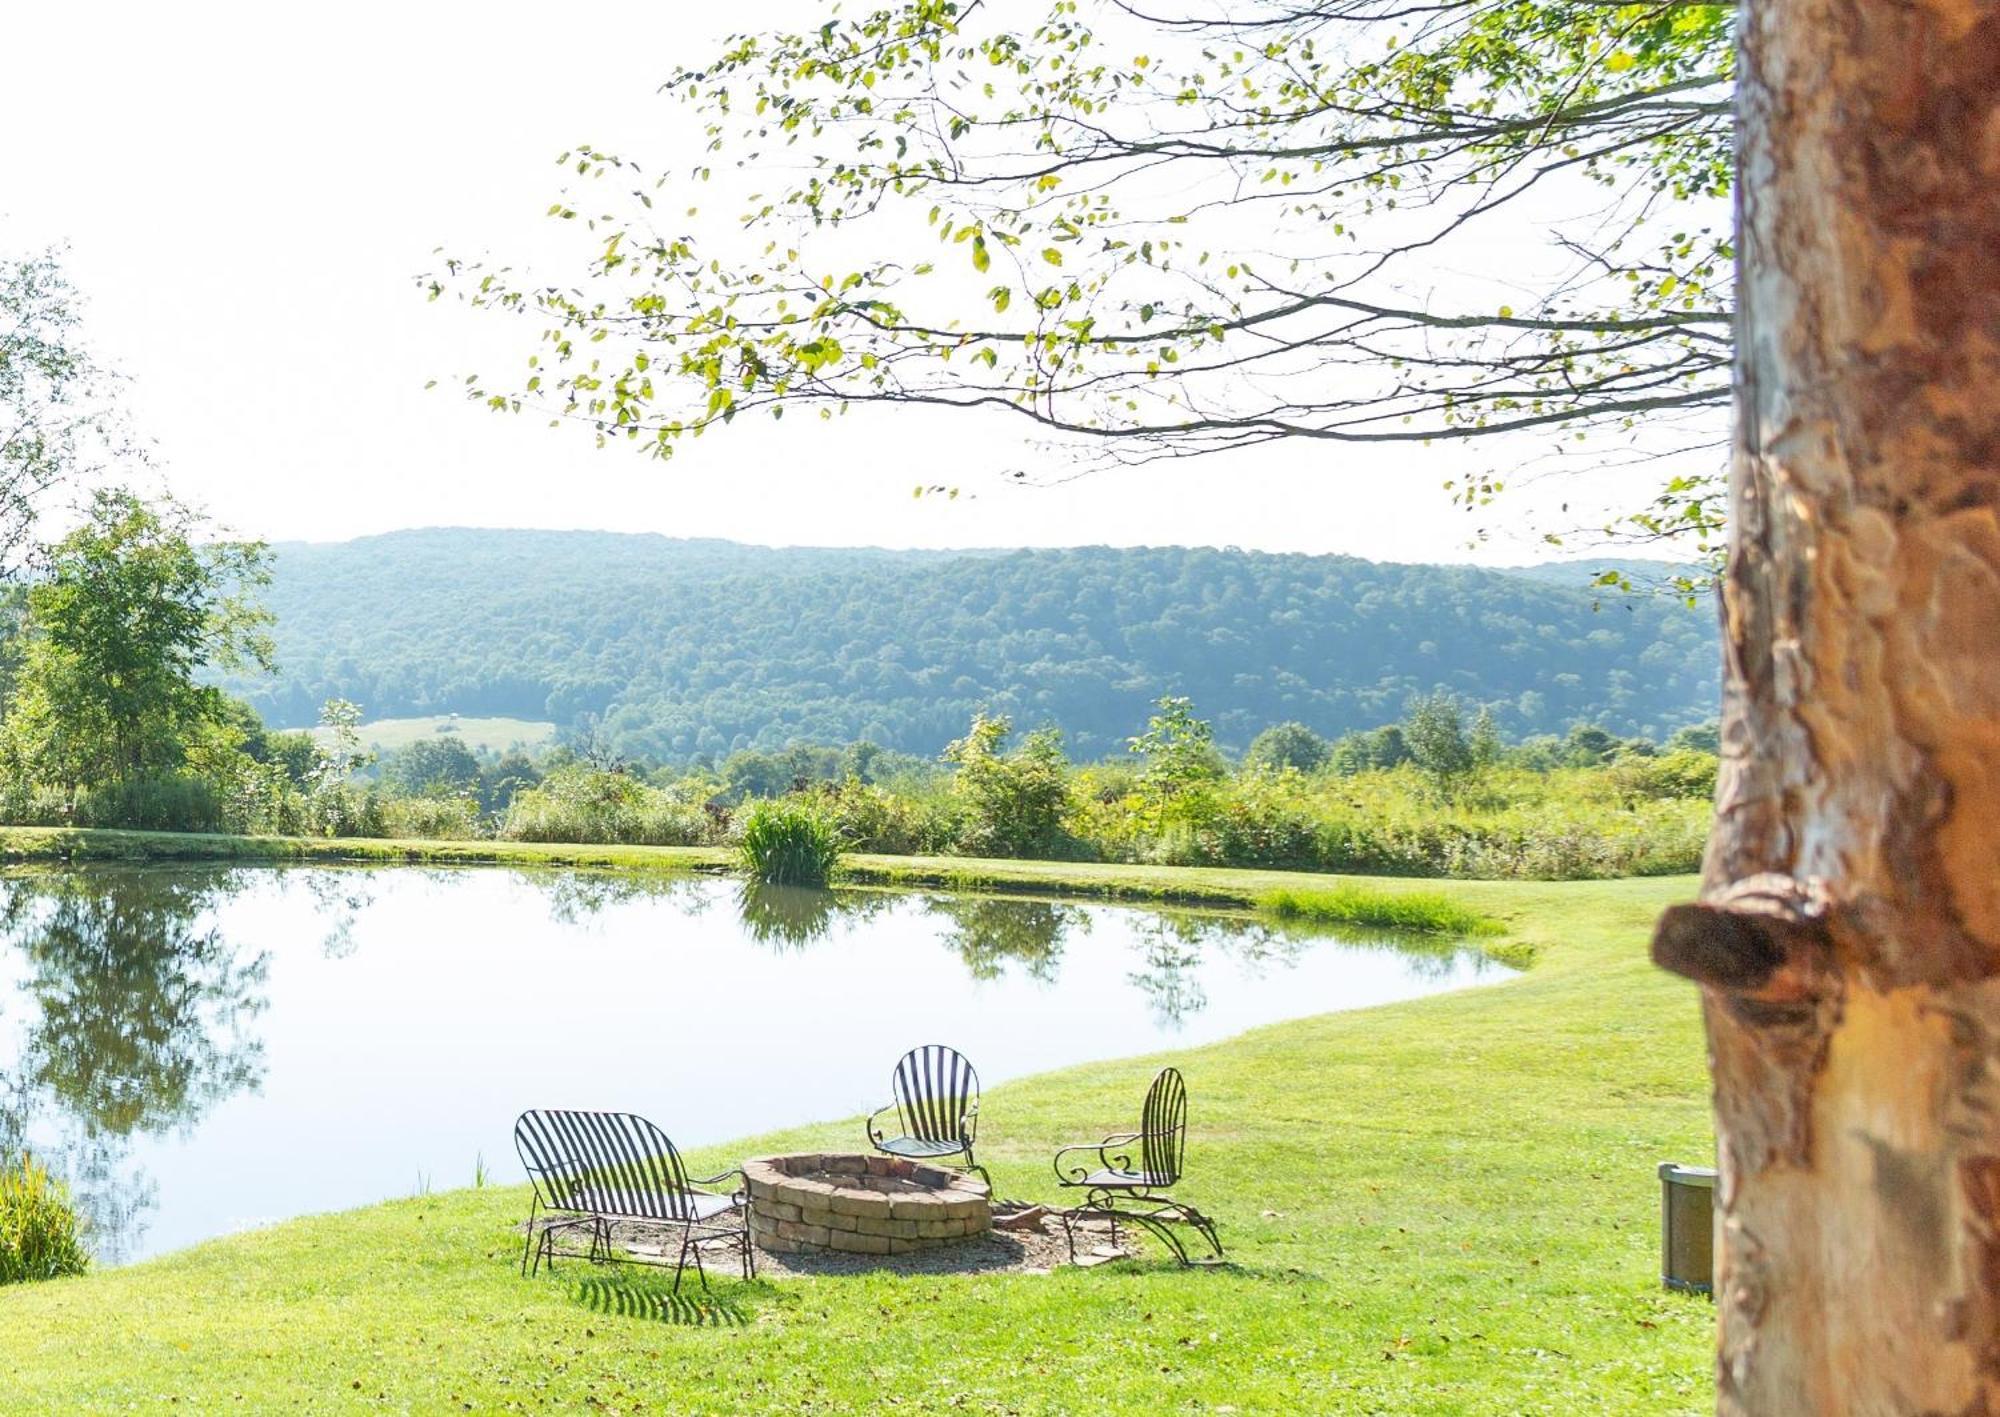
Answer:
(968, 1125)
(1121, 1162)
(874, 1133)
(741, 1195)
(1075, 1174)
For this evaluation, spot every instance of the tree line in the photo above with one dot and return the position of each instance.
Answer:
(113, 717)
(678, 650)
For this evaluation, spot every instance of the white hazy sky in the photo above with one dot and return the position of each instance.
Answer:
(247, 191)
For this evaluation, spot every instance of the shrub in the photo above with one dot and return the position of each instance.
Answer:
(40, 1235)
(1683, 773)
(168, 802)
(431, 818)
(581, 804)
(872, 818)
(788, 843)
(342, 809)
(1287, 745)
(1015, 804)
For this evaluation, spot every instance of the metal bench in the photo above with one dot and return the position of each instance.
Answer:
(936, 1107)
(592, 1170)
(1131, 1172)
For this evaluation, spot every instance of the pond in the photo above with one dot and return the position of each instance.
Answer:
(200, 1050)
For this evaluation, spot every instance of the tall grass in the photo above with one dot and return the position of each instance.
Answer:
(1423, 912)
(786, 843)
(40, 1236)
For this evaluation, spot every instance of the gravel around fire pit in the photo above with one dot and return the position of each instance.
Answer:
(1030, 1251)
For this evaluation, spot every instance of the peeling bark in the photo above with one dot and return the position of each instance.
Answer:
(1848, 940)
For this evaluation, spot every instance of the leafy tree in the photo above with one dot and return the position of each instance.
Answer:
(296, 753)
(1696, 738)
(1434, 728)
(1164, 232)
(1288, 745)
(1179, 771)
(1586, 745)
(1375, 749)
(1015, 803)
(515, 772)
(1177, 748)
(1484, 739)
(130, 615)
(433, 767)
(56, 421)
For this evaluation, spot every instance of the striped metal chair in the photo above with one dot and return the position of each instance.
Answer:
(1133, 1171)
(936, 1107)
(592, 1170)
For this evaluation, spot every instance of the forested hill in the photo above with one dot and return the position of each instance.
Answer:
(683, 647)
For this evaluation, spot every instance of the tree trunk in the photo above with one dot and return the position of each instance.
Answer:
(1848, 939)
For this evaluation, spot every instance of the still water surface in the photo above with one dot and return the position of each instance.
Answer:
(205, 1049)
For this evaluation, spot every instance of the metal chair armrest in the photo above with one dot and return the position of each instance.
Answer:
(968, 1125)
(1105, 1159)
(874, 1132)
(1074, 1175)
(718, 1176)
(741, 1195)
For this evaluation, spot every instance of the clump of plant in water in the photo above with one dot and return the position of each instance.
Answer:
(786, 843)
(1425, 912)
(40, 1235)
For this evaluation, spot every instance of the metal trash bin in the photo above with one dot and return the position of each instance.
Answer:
(1687, 1228)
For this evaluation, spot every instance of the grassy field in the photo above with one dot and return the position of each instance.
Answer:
(1440, 1206)
(387, 735)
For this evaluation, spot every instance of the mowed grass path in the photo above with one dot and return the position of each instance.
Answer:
(1441, 1206)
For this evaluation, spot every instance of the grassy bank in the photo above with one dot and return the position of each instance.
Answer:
(1441, 1206)
(1396, 905)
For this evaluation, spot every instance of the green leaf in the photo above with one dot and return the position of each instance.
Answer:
(980, 260)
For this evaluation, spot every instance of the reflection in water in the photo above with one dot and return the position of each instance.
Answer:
(786, 917)
(133, 1055)
(141, 1023)
(575, 896)
(338, 898)
(989, 933)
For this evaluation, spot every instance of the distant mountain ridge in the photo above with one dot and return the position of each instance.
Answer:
(684, 647)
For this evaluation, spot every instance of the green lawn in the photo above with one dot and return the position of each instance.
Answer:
(1441, 1206)
(389, 735)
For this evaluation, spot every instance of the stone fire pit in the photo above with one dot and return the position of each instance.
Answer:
(867, 1205)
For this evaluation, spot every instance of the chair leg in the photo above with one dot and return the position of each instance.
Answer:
(700, 1272)
(681, 1263)
(1204, 1226)
(972, 1164)
(528, 1243)
(1165, 1231)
